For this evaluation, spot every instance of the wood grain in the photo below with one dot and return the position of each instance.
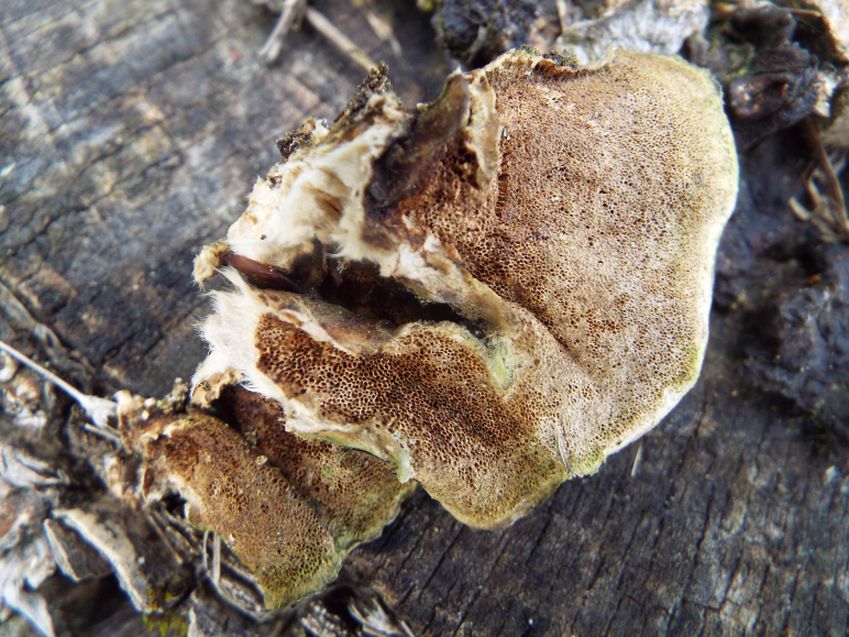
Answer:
(131, 133)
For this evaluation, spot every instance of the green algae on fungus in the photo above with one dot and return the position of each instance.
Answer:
(529, 266)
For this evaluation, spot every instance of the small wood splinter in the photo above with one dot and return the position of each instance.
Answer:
(99, 410)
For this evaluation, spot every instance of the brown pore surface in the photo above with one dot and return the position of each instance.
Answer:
(354, 493)
(603, 221)
(590, 201)
(253, 507)
(472, 448)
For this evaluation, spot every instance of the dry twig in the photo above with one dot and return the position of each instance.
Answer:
(296, 10)
(828, 202)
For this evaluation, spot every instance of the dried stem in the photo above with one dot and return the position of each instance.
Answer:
(98, 409)
(383, 30)
(293, 13)
(342, 42)
(828, 206)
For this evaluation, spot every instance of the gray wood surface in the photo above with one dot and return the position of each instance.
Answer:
(131, 133)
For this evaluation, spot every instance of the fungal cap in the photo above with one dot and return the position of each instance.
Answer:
(553, 228)
(289, 509)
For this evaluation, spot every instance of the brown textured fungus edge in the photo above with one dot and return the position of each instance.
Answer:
(290, 509)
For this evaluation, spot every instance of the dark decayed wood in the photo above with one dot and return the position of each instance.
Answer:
(131, 133)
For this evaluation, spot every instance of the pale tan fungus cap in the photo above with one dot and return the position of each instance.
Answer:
(553, 229)
(289, 509)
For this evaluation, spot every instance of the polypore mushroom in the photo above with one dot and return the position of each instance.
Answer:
(494, 291)
(289, 508)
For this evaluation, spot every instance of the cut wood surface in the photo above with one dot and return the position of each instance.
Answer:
(131, 134)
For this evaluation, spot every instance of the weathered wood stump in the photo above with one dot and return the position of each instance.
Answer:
(131, 134)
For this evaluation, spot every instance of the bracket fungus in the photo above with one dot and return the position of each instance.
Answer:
(289, 508)
(485, 296)
(494, 291)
